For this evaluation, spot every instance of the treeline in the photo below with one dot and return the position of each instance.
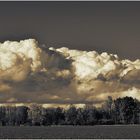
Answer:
(120, 111)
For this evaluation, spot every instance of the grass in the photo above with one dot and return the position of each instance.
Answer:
(62, 132)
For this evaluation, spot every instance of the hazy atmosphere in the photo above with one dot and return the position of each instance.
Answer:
(69, 52)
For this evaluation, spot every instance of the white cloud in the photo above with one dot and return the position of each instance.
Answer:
(31, 74)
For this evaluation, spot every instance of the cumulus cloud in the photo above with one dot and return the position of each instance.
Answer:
(30, 72)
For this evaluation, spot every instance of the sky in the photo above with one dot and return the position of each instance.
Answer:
(100, 26)
(69, 52)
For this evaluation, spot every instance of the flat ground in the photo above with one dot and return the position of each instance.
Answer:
(104, 131)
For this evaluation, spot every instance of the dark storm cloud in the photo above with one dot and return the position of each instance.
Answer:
(101, 26)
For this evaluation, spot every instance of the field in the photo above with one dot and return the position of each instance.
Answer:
(116, 131)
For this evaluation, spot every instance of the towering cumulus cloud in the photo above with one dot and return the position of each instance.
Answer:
(30, 73)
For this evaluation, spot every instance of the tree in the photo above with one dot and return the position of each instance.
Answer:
(21, 115)
(108, 105)
(59, 116)
(49, 116)
(80, 120)
(71, 115)
(108, 111)
(35, 114)
(2, 115)
(137, 112)
(10, 115)
(91, 116)
(125, 109)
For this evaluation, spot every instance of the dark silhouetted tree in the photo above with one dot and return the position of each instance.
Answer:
(126, 109)
(71, 115)
(35, 114)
